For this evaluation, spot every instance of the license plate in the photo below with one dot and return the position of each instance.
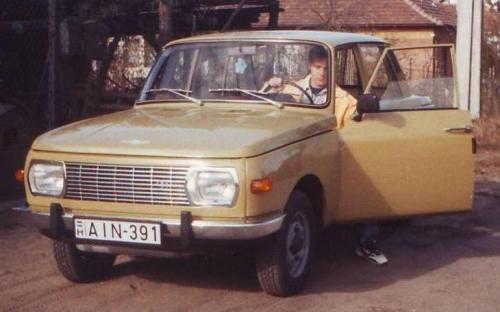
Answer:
(118, 231)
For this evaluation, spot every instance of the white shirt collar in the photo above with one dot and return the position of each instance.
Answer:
(306, 84)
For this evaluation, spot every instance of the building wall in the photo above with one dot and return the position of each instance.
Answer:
(446, 35)
(400, 37)
(419, 63)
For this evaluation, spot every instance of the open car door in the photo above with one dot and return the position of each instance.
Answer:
(414, 155)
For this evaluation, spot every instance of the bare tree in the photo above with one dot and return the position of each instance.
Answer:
(329, 15)
(491, 40)
(491, 59)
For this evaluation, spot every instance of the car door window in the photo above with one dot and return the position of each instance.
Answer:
(347, 72)
(370, 55)
(423, 79)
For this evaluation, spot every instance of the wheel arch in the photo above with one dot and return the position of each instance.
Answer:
(312, 187)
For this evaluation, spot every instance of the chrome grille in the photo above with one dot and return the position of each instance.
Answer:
(127, 184)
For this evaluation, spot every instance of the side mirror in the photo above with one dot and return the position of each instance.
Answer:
(367, 103)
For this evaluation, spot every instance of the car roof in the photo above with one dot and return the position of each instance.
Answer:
(328, 37)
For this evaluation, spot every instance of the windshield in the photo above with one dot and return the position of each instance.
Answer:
(291, 73)
(415, 78)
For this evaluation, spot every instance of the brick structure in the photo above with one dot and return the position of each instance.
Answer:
(398, 21)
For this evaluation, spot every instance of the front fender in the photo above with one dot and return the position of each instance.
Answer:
(286, 166)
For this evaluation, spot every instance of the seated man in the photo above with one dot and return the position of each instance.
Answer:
(315, 85)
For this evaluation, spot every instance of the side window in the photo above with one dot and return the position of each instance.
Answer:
(423, 79)
(370, 55)
(346, 71)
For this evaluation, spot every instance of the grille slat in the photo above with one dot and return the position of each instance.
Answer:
(112, 178)
(112, 181)
(137, 201)
(127, 184)
(119, 188)
(178, 174)
(137, 196)
(128, 169)
(119, 192)
(127, 172)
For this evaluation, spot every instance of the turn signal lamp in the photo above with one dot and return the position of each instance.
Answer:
(261, 185)
(19, 175)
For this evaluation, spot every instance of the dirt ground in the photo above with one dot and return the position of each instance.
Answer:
(445, 263)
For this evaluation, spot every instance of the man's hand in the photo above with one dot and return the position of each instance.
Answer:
(275, 83)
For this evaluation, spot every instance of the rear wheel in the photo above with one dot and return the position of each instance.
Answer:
(283, 262)
(81, 267)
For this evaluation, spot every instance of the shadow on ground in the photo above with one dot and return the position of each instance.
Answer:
(414, 247)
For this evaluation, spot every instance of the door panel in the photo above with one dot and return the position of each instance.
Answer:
(404, 163)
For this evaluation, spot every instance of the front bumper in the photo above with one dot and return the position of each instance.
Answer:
(184, 228)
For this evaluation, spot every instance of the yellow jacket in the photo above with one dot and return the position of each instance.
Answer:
(345, 106)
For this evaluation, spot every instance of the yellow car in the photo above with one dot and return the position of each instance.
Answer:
(255, 140)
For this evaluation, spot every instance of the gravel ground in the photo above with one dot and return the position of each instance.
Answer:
(444, 263)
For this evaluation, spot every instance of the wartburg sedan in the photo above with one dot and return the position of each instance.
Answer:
(255, 140)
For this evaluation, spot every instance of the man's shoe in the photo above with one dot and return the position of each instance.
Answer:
(371, 252)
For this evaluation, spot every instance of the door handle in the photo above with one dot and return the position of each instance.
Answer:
(465, 129)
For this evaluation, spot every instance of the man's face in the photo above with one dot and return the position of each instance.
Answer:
(319, 73)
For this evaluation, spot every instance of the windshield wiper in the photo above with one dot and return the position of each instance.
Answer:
(177, 92)
(249, 92)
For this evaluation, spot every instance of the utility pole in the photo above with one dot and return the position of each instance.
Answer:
(469, 33)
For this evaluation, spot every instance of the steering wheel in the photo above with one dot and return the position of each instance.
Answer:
(293, 84)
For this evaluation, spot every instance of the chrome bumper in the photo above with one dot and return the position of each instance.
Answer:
(216, 230)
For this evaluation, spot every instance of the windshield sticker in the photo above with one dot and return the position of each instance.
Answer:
(240, 66)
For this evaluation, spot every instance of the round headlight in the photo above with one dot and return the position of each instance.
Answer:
(46, 178)
(212, 186)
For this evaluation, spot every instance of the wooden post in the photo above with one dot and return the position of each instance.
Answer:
(233, 15)
(274, 11)
(165, 9)
(53, 42)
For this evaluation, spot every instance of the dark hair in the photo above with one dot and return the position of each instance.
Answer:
(317, 53)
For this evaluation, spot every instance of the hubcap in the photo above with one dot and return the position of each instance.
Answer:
(297, 244)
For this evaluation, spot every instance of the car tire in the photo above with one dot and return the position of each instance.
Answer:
(81, 267)
(283, 261)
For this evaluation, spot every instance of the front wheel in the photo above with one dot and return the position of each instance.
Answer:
(283, 262)
(81, 267)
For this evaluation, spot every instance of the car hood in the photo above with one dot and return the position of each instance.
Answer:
(185, 132)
